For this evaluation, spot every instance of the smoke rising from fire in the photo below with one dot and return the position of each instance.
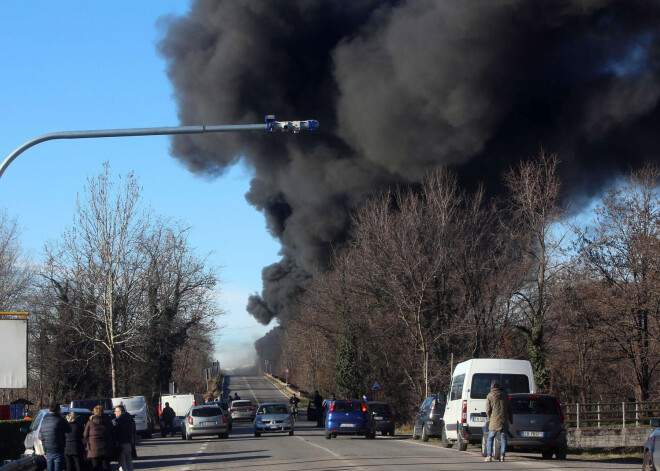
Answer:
(399, 87)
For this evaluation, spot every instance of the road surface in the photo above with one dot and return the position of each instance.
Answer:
(309, 450)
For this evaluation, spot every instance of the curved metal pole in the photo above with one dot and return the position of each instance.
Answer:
(271, 125)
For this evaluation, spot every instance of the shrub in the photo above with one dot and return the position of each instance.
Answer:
(11, 438)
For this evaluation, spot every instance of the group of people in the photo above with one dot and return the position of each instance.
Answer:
(107, 439)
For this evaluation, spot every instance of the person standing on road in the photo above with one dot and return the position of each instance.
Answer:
(318, 406)
(167, 418)
(293, 401)
(74, 452)
(498, 411)
(53, 437)
(100, 440)
(124, 426)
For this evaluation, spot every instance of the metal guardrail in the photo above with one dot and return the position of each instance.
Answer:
(610, 414)
(25, 463)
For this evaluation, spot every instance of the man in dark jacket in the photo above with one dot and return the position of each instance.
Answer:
(124, 428)
(498, 411)
(167, 418)
(74, 452)
(318, 406)
(53, 430)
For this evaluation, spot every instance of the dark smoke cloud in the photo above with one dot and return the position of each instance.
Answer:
(402, 86)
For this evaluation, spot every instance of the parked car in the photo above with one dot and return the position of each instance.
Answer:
(106, 402)
(225, 407)
(651, 452)
(273, 417)
(32, 442)
(465, 412)
(350, 417)
(429, 417)
(538, 425)
(139, 410)
(242, 409)
(383, 417)
(204, 420)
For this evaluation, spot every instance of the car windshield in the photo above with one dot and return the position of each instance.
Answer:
(534, 405)
(206, 412)
(380, 408)
(274, 409)
(348, 406)
(241, 404)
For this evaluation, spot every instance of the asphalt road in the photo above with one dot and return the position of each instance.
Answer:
(309, 450)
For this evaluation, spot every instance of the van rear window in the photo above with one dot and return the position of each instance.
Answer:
(510, 383)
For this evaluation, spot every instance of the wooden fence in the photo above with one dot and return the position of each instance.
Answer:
(610, 414)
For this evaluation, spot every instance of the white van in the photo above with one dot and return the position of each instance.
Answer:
(181, 403)
(465, 413)
(137, 407)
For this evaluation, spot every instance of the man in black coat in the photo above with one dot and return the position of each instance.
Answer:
(53, 430)
(124, 429)
(318, 405)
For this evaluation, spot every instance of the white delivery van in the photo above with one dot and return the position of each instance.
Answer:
(137, 407)
(181, 403)
(465, 413)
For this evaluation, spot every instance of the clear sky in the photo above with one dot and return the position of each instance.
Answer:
(81, 65)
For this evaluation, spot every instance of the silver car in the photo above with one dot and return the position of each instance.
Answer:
(32, 442)
(242, 409)
(204, 420)
(273, 417)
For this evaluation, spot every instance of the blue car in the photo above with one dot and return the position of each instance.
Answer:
(651, 452)
(350, 417)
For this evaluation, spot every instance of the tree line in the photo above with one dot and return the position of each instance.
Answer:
(435, 275)
(120, 304)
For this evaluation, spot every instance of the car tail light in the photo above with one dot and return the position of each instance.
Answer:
(190, 420)
(252, 408)
(194, 403)
(391, 419)
(364, 407)
(332, 407)
(433, 405)
(531, 396)
(224, 419)
(561, 413)
(160, 410)
(232, 410)
(39, 435)
(431, 422)
(464, 413)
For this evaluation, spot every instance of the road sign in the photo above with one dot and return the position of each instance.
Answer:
(286, 372)
(376, 386)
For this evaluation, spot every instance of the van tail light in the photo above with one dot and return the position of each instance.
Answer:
(190, 420)
(332, 407)
(561, 413)
(232, 410)
(464, 413)
(364, 407)
(160, 410)
(194, 403)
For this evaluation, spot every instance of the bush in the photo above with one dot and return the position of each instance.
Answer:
(11, 438)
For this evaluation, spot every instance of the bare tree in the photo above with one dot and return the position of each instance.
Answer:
(16, 274)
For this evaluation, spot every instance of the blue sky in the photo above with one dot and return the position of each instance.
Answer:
(80, 65)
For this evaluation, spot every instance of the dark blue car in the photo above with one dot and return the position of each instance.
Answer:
(349, 417)
(651, 452)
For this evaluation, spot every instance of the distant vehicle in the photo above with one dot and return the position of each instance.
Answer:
(272, 418)
(383, 417)
(652, 452)
(350, 417)
(465, 413)
(225, 407)
(204, 420)
(139, 410)
(429, 417)
(181, 403)
(32, 442)
(538, 425)
(242, 409)
(106, 402)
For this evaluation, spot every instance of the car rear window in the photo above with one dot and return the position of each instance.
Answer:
(207, 412)
(534, 405)
(511, 383)
(241, 404)
(348, 407)
(380, 408)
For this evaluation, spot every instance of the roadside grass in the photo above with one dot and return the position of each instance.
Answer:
(610, 455)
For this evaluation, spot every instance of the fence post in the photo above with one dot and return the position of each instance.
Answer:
(599, 415)
(636, 414)
(577, 410)
(623, 408)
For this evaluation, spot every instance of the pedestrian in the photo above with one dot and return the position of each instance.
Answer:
(100, 440)
(236, 397)
(53, 436)
(124, 426)
(318, 406)
(74, 452)
(166, 419)
(293, 401)
(498, 411)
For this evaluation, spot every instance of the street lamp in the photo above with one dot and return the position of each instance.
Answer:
(270, 126)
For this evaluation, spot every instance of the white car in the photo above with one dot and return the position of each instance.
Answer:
(242, 409)
(204, 420)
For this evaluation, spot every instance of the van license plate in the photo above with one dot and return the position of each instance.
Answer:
(479, 418)
(533, 434)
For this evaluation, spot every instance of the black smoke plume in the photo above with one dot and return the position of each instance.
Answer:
(399, 87)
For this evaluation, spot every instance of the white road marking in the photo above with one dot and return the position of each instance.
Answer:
(349, 463)
(251, 391)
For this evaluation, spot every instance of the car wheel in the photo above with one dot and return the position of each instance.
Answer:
(328, 435)
(445, 441)
(183, 436)
(484, 445)
(547, 455)
(257, 434)
(224, 435)
(461, 444)
(291, 432)
(383, 432)
(392, 432)
(561, 453)
(415, 436)
(425, 434)
(497, 444)
(647, 464)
